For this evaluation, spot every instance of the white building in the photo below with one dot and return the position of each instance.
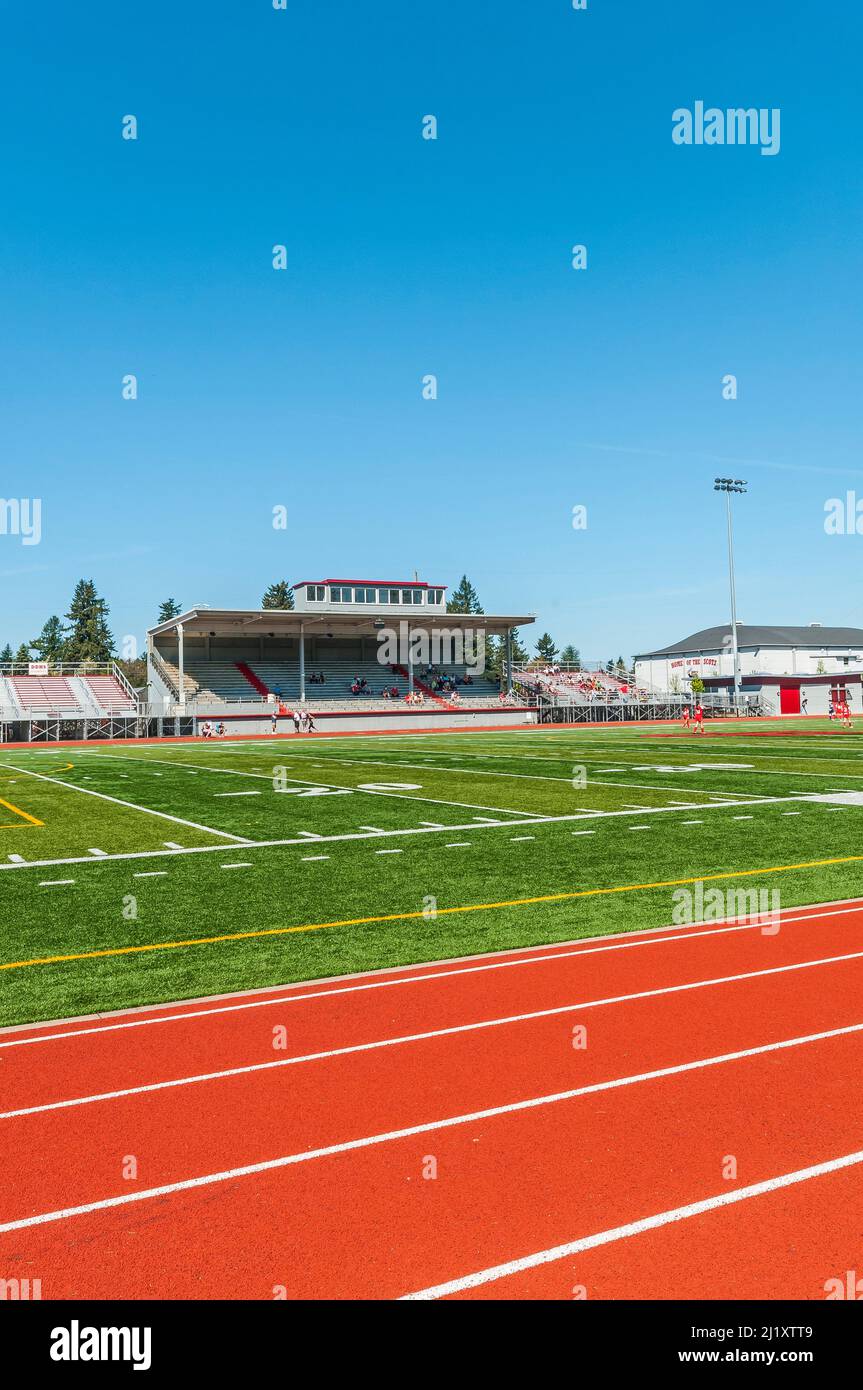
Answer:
(797, 669)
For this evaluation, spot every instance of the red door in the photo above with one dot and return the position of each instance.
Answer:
(789, 699)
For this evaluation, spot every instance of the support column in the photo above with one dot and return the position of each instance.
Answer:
(509, 661)
(410, 662)
(302, 661)
(181, 666)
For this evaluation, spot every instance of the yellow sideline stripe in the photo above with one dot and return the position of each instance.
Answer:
(441, 912)
(18, 812)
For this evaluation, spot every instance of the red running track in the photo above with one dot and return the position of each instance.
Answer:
(671, 1114)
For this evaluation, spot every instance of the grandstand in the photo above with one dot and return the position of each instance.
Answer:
(41, 702)
(356, 652)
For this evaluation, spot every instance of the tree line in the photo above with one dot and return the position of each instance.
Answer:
(86, 636)
(464, 599)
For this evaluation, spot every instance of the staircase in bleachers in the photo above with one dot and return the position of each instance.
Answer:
(232, 682)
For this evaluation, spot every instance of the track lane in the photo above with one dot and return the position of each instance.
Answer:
(339, 1014)
(367, 1224)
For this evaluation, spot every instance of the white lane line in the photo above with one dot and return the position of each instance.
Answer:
(130, 805)
(389, 851)
(652, 936)
(634, 1228)
(459, 844)
(312, 858)
(55, 882)
(246, 865)
(100, 853)
(638, 827)
(742, 817)
(172, 844)
(368, 1141)
(236, 793)
(517, 839)
(695, 822)
(17, 859)
(402, 1040)
(376, 828)
(152, 873)
(791, 813)
(584, 832)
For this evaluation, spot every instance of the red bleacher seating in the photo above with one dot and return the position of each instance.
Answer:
(45, 693)
(108, 693)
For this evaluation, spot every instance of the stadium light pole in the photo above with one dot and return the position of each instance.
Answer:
(728, 486)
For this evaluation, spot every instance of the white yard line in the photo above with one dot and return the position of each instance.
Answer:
(129, 805)
(305, 836)
(333, 786)
(391, 1136)
(518, 776)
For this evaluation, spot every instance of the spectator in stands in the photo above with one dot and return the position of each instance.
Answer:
(394, 692)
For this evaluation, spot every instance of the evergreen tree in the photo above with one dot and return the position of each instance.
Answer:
(168, 610)
(545, 648)
(571, 655)
(278, 595)
(6, 654)
(23, 652)
(88, 638)
(495, 655)
(464, 598)
(49, 644)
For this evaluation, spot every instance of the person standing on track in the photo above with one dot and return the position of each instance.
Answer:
(296, 721)
(686, 716)
(698, 718)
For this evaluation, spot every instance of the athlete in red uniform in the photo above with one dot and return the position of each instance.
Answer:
(698, 719)
(686, 716)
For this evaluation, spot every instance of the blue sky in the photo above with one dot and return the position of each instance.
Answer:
(557, 387)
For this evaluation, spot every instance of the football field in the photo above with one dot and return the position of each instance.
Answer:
(143, 873)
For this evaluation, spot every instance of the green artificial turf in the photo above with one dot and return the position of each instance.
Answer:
(365, 789)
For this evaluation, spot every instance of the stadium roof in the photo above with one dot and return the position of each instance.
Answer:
(365, 621)
(373, 583)
(711, 639)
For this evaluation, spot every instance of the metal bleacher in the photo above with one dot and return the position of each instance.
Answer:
(223, 682)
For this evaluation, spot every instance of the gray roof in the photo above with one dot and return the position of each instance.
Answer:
(715, 638)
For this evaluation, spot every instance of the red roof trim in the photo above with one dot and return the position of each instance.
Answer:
(374, 583)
